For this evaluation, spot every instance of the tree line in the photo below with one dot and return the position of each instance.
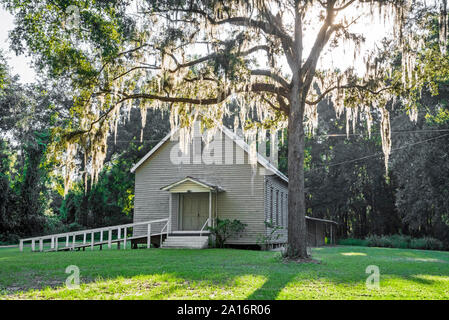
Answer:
(345, 176)
(346, 179)
(59, 137)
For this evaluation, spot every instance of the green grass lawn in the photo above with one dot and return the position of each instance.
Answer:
(224, 274)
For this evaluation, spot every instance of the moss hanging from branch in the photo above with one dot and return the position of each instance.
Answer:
(162, 67)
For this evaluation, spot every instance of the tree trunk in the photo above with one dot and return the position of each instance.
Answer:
(297, 229)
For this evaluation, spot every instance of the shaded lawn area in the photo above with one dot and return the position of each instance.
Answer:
(224, 274)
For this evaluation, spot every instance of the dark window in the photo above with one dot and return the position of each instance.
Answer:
(286, 209)
(282, 209)
(277, 207)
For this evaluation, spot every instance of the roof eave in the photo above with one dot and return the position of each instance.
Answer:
(230, 134)
(191, 179)
(152, 151)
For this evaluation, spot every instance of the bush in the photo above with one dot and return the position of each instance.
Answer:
(377, 241)
(400, 241)
(225, 229)
(264, 240)
(75, 227)
(396, 241)
(7, 239)
(54, 225)
(426, 243)
(353, 242)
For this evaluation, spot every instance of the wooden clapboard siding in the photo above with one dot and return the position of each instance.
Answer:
(316, 233)
(175, 208)
(276, 188)
(242, 199)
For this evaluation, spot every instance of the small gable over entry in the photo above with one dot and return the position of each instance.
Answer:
(189, 184)
(197, 207)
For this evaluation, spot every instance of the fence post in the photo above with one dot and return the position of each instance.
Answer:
(56, 243)
(21, 245)
(73, 242)
(52, 245)
(67, 240)
(84, 237)
(92, 241)
(32, 245)
(110, 238)
(101, 236)
(41, 245)
(124, 239)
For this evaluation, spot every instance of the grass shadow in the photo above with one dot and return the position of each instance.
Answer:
(271, 288)
(220, 274)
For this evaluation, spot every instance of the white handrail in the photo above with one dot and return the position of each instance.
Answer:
(201, 231)
(54, 237)
(162, 231)
(60, 235)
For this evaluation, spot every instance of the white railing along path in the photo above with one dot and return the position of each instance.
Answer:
(54, 238)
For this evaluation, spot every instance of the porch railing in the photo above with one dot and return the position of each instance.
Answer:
(204, 226)
(54, 238)
(166, 228)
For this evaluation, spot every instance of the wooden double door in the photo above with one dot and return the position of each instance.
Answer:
(194, 210)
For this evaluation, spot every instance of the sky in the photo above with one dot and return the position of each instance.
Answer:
(21, 65)
(18, 64)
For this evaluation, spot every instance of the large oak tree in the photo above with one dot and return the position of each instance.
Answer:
(191, 56)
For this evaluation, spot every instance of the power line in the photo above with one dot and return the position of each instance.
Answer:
(378, 133)
(323, 135)
(379, 154)
(370, 156)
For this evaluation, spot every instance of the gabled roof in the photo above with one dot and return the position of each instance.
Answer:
(231, 135)
(156, 147)
(260, 159)
(199, 182)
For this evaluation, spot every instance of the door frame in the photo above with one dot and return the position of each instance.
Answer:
(212, 205)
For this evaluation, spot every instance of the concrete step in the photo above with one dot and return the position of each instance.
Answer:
(185, 241)
(183, 247)
(192, 242)
(189, 233)
(186, 238)
(182, 242)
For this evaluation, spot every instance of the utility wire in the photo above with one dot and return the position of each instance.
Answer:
(378, 133)
(370, 156)
(325, 135)
(379, 154)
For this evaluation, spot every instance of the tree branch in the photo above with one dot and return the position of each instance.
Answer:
(266, 27)
(344, 6)
(326, 31)
(213, 56)
(276, 77)
(136, 68)
(256, 87)
(349, 86)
